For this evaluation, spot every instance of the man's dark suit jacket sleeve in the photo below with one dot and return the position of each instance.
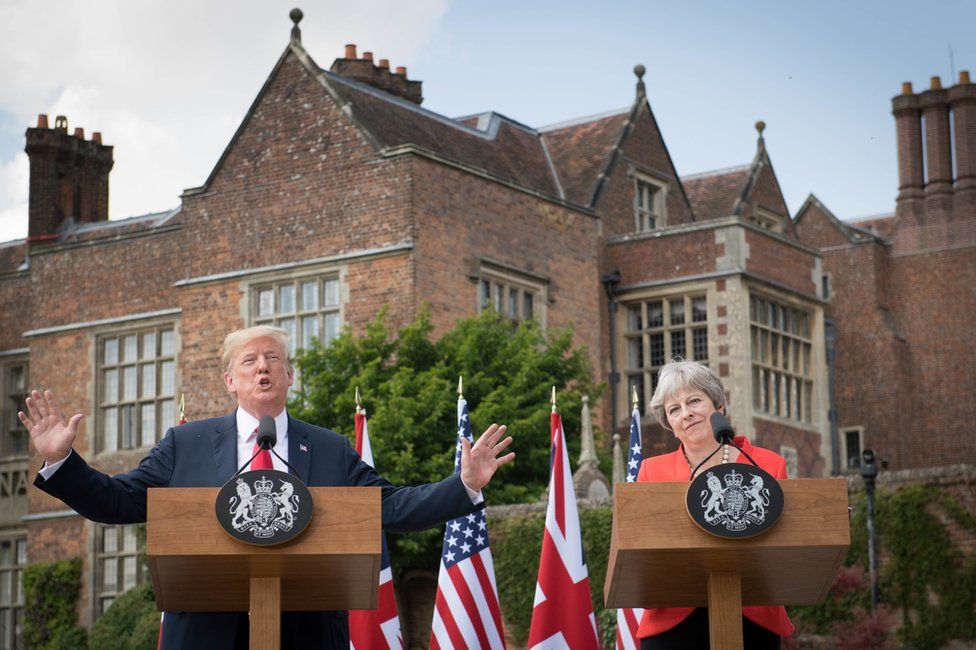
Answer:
(111, 499)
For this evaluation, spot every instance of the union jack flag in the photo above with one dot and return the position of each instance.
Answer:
(629, 619)
(466, 612)
(562, 615)
(375, 629)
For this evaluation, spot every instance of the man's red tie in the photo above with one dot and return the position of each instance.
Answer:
(262, 460)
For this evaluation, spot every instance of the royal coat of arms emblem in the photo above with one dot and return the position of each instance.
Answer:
(264, 507)
(735, 500)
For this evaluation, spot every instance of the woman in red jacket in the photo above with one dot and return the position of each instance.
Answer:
(687, 394)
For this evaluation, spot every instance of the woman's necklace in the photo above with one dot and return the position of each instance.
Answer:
(725, 456)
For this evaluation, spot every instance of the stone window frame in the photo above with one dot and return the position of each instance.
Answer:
(516, 295)
(12, 564)
(287, 309)
(164, 405)
(846, 435)
(637, 337)
(122, 556)
(657, 199)
(15, 444)
(766, 219)
(768, 366)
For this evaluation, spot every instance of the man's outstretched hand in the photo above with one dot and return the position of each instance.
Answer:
(480, 460)
(52, 436)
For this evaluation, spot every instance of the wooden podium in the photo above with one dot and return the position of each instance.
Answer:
(660, 558)
(196, 566)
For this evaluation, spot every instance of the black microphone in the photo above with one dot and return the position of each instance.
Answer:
(721, 428)
(267, 432)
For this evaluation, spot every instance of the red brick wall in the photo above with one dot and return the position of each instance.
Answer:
(773, 435)
(662, 258)
(787, 265)
(815, 228)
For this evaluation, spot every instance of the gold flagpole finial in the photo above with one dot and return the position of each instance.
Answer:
(182, 406)
(359, 406)
(460, 386)
(554, 400)
(634, 399)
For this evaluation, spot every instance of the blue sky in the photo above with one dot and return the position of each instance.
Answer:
(168, 83)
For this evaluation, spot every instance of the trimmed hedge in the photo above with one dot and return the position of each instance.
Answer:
(51, 592)
(131, 623)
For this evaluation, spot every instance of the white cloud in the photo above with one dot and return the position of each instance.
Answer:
(167, 83)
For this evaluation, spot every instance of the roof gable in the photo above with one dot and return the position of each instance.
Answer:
(714, 194)
(816, 225)
(581, 150)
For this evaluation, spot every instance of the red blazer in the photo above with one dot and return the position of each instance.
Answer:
(674, 467)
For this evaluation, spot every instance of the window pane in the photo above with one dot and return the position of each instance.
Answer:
(527, 305)
(6, 580)
(678, 346)
(128, 573)
(513, 303)
(635, 381)
(657, 349)
(310, 296)
(6, 554)
(148, 425)
(110, 539)
(129, 384)
(148, 380)
(331, 327)
(110, 429)
(167, 343)
(110, 574)
(310, 330)
(149, 345)
(111, 351)
(677, 310)
(128, 426)
(499, 294)
(167, 378)
(110, 385)
(635, 352)
(21, 551)
(699, 313)
(167, 416)
(634, 320)
(756, 390)
(128, 539)
(331, 293)
(130, 348)
(286, 299)
(288, 324)
(655, 314)
(18, 383)
(106, 603)
(700, 343)
(265, 302)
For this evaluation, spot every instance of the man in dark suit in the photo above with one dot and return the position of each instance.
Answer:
(206, 453)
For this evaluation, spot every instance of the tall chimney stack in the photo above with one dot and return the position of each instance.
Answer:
(377, 75)
(962, 99)
(68, 178)
(908, 129)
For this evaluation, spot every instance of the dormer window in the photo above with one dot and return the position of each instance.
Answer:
(649, 204)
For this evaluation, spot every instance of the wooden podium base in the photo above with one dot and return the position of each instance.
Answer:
(725, 611)
(265, 614)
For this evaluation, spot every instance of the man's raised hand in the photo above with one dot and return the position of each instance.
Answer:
(52, 436)
(480, 460)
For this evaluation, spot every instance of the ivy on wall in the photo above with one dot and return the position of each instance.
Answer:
(51, 592)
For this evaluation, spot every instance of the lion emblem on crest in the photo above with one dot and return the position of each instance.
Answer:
(263, 512)
(734, 505)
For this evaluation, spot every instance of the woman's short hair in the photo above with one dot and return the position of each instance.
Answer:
(234, 341)
(677, 375)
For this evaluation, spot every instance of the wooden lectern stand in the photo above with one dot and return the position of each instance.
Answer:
(196, 566)
(660, 558)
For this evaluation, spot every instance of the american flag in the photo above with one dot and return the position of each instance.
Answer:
(562, 615)
(466, 612)
(375, 629)
(629, 619)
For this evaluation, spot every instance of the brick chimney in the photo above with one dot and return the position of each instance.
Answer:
(379, 76)
(934, 103)
(962, 100)
(68, 177)
(908, 129)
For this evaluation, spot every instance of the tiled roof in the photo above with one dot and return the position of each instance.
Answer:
(581, 151)
(713, 194)
(505, 149)
(881, 225)
(12, 255)
(115, 227)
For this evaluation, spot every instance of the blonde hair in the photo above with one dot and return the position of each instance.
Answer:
(234, 341)
(679, 374)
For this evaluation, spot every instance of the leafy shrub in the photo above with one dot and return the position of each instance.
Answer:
(51, 592)
(131, 623)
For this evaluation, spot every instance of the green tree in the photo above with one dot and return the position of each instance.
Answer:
(409, 384)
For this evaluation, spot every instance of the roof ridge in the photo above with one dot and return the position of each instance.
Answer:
(870, 217)
(578, 121)
(716, 172)
(488, 134)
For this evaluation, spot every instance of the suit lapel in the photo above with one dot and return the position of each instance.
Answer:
(225, 448)
(299, 448)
